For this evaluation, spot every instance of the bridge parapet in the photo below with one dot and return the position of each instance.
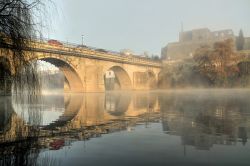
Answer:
(94, 53)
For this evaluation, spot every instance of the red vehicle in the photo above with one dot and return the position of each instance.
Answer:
(55, 42)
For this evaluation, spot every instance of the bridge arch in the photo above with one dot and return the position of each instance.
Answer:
(121, 77)
(73, 81)
(5, 66)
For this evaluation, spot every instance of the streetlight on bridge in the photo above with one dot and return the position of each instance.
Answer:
(82, 40)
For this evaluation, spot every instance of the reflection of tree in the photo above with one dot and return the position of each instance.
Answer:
(48, 160)
(242, 134)
(207, 119)
(22, 153)
(144, 100)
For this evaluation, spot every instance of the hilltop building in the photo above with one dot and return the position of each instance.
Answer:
(189, 41)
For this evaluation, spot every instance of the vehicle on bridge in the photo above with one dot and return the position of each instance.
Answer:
(101, 50)
(54, 42)
(81, 46)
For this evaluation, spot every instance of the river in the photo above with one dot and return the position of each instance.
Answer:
(175, 127)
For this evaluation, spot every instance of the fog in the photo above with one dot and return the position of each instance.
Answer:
(152, 82)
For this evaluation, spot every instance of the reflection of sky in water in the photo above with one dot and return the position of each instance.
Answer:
(146, 146)
(43, 111)
(46, 115)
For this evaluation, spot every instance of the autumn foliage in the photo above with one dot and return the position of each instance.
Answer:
(217, 63)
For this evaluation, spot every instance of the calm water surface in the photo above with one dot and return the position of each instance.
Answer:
(190, 127)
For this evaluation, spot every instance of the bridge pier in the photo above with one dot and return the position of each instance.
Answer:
(142, 81)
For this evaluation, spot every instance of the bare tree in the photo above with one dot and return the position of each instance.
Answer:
(17, 27)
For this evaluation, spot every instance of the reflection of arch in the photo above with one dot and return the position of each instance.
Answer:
(5, 114)
(71, 76)
(49, 114)
(152, 83)
(122, 78)
(5, 76)
(117, 103)
(73, 105)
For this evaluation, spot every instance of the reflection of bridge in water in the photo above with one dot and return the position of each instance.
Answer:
(84, 67)
(6, 111)
(79, 111)
(200, 122)
(94, 109)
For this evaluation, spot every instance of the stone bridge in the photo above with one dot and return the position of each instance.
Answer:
(84, 67)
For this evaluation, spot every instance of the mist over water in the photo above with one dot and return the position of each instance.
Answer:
(173, 77)
(155, 127)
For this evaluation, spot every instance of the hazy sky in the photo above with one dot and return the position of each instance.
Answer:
(143, 25)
